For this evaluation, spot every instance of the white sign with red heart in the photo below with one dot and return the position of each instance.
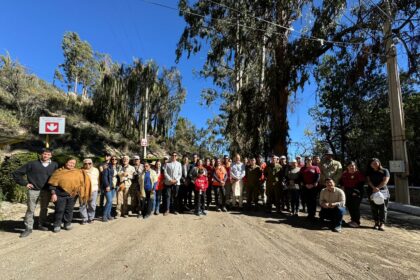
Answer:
(52, 125)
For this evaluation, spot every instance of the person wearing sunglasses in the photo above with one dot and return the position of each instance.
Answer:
(87, 209)
(109, 181)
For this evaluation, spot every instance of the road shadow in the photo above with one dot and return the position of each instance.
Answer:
(12, 226)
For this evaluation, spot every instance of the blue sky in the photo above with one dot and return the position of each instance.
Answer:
(32, 33)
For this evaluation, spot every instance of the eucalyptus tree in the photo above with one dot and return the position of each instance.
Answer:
(79, 63)
(261, 52)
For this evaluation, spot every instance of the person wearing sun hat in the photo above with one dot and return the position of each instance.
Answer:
(87, 209)
(272, 173)
(330, 168)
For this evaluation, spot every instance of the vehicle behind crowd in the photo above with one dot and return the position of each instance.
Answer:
(127, 187)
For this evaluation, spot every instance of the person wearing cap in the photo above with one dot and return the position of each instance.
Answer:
(292, 179)
(272, 173)
(332, 201)
(34, 176)
(330, 168)
(237, 173)
(309, 178)
(299, 161)
(125, 174)
(135, 187)
(87, 209)
(377, 178)
(165, 160)
(101, 168)
(173, 173)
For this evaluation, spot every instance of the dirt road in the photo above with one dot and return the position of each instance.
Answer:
(218, 246)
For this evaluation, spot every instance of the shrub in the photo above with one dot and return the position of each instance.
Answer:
(10, 190)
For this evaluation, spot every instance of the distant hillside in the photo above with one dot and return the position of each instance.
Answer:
(24, 98)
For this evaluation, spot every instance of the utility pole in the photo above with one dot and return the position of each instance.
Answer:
(146, 120)
(399, 148)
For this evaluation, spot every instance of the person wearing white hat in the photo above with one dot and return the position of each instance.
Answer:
(88, 208)
(299, 161)
(125, 174)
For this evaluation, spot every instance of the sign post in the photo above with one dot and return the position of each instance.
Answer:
(51, 125)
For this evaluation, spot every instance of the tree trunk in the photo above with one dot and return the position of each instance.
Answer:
(279, 126)
(76, 81)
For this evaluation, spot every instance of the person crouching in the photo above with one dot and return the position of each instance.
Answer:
(332, 200)
(65, 184)
(201, 184)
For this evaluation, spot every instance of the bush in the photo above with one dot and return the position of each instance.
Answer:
(10, 190)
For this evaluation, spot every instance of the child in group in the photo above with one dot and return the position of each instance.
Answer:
(201, 184)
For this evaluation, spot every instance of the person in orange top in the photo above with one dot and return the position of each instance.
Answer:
(219, 183)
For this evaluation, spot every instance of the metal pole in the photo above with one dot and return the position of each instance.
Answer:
(146, 120)
(399, 148)
(47, 141)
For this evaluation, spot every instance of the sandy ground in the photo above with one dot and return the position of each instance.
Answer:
(250, 245)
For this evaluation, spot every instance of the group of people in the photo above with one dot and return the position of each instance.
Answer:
(172, 186)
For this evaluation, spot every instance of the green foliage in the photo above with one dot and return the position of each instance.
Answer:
(79, 64)
(119, 100)
(8, 120)
(353, 114)
(9, 189)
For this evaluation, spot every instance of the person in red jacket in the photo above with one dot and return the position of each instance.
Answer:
(352, 180)
(201, 184)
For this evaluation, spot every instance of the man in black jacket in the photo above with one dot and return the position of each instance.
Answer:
(34, 176)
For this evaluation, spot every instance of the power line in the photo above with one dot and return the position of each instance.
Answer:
(379, 8)
(321, 41)
(287, 28)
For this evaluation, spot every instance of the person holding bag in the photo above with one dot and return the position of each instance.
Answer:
(377, 178)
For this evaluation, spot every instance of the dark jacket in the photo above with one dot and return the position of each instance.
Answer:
(35, 173)
(106, 178)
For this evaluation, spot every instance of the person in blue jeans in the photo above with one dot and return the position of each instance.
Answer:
(332, 201)
(159, 187)
(108, 188)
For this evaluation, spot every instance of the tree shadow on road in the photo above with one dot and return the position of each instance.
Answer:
(12, 226)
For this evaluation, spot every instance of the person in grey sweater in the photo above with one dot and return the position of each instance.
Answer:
(34, 176)
(173, 173)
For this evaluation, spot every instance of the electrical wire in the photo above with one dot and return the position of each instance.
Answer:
(321, 41)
